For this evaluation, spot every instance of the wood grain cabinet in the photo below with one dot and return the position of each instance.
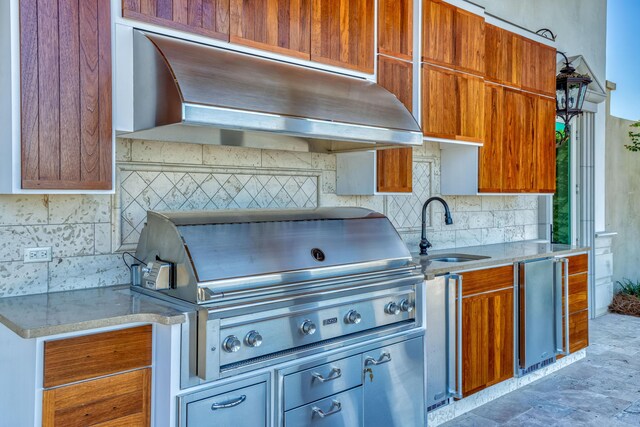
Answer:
(452, 104)
(395, 28)
(281, 26)
(578, 303)
(98, 379)
(395, 166)
(503, 56)
(66, 94)
(453, 37)
(342, 33)
(487, 328)
(208, 18)
(518, 155)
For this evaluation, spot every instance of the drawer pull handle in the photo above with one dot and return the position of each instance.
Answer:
(336, 407)
(384, 358)
(229, 403)
(333, 375)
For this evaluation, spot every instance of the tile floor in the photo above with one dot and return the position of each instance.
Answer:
(601, 390)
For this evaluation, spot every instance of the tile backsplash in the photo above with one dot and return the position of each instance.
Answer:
(87, 233)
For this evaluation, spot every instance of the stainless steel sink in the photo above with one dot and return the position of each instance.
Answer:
(455, 257)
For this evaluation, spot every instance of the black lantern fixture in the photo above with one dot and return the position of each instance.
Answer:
(571, 91)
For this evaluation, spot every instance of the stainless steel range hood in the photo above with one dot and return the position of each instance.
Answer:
(189, 92)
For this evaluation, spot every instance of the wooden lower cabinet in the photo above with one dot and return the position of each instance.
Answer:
(578, 304)
(487, 328)
(117, 400)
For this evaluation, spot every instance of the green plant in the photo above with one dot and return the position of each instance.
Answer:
(635, 138)
(629, 287)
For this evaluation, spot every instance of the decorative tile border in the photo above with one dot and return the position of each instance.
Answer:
(181, 188)
(405, 211)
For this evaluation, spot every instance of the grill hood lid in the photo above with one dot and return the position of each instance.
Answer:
(190, 92)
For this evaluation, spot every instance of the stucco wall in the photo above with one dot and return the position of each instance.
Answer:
(623, 199)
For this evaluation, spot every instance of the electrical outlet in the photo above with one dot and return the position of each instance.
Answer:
(37, 254)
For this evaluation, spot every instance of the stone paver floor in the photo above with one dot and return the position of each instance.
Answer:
(601, 390)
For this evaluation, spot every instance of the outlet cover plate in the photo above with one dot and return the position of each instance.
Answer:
(37, 254)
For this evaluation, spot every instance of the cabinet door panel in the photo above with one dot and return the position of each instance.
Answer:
(538, 67)
(66, 94)
(439, 102)
(503, 56)
(578, 331)
(395, 28)
(342, 33)
(519, 136)
(394, 168)
(545, 145)
(209, 18)
(282, 26)
(438, 32)
(470, 97)
(469, 42)
(491, 153)
(487, 340)
(578, 264)
(452, 104)
(118, 400)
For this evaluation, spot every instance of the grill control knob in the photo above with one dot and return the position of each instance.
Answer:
(308, 327)
(406, 305)
(253, 339)
(352, 317)
(392, 308)
(231, 344)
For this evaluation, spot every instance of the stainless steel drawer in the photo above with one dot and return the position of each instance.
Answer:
(245, 407)
(321, 381)
(340, 410)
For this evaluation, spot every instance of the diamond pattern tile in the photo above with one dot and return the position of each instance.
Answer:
(405, 212)
(148, 190)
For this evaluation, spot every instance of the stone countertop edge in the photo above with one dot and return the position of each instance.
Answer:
(44, 315)
(522, 251)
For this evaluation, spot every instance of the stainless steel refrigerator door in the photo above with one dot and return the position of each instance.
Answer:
(441, 328)
(537, 312)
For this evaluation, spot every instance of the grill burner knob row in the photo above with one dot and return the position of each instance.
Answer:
(352, 317)
(308, 327)
(231, 344)
(392, 308)
(406, 306)
(253, 339)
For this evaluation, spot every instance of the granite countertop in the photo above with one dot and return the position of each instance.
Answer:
(503, 253)
(42, 315)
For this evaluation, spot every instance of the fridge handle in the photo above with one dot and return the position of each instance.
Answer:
(454, 335)
(562, 291)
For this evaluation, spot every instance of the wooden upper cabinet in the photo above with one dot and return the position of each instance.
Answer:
(452, 104)
(519, 137)
(453, 37)
(469, 44)
(503, 56)
(491, 153)
(281, 26)
(438, 32)
(66, 94)
(538, 67)
(395, 28)
(209, 18)
(342, 33)
(394, 167)
(545, 145)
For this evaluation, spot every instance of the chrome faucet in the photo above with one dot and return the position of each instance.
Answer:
(424, 243)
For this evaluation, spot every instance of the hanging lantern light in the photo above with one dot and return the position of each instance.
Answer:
(571, 91)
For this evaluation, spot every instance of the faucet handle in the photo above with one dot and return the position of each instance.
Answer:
(424, 245)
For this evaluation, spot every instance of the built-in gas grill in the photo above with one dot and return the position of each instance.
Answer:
(270, 286)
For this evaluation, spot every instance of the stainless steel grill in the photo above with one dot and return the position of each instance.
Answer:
(272, 286)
